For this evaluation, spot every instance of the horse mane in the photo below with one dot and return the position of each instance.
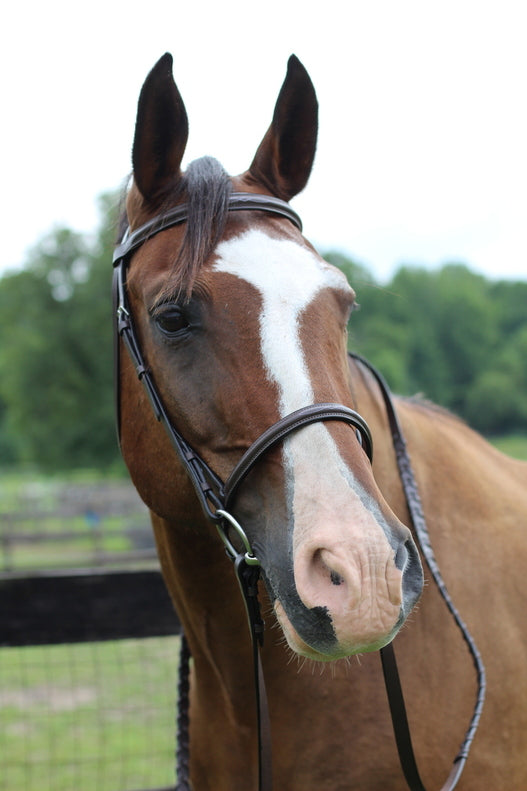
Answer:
(205, 187)
(418, 400)
(421, 402)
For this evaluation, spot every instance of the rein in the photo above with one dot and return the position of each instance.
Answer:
(391, 675)
(215, 496)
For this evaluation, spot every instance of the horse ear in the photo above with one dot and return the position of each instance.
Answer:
(285, 156)
(161, 133)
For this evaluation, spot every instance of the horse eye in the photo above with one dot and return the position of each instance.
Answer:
(171, 321)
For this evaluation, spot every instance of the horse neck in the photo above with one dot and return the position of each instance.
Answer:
(369, 402)
(202, 584)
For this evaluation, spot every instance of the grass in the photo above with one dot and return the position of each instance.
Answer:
(514, 445)
(94, 716)
(97, 716)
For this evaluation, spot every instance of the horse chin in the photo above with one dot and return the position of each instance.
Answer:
(339, 651)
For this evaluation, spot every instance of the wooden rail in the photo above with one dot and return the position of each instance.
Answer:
(88, 545)
(84, 606)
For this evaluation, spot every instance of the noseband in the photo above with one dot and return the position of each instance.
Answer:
(216, 496)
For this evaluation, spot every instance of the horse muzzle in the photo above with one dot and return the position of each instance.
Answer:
(347, 602)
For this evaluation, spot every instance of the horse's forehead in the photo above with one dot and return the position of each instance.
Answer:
(278, 268)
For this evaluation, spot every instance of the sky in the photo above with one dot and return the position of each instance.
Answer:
(422, 152)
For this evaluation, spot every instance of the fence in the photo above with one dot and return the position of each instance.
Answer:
(59, 525)
(88, 658)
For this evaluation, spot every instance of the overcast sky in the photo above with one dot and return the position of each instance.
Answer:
(423, 116)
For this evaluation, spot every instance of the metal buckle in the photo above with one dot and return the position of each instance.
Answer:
(249, 556)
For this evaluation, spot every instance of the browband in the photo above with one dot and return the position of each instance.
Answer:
(238, 201)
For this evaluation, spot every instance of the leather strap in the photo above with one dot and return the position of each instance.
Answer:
(287, 425)
(206, 483)
(393, 686)
(182, 722)
(238, 201)
(401, 728)
(247, 577)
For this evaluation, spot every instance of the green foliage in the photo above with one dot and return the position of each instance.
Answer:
(450, 334)
(56, 405)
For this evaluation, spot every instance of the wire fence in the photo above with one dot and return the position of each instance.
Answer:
(80, 709)
(94, 716)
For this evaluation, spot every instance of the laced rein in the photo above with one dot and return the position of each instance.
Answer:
(215, 496)
(391, 675)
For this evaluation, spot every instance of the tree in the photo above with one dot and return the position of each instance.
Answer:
(56, 353)
(497, 399)
(449, 334)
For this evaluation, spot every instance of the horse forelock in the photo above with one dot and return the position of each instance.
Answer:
(205, 187)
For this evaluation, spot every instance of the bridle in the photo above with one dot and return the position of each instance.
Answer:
(212, 493)
(215, 497)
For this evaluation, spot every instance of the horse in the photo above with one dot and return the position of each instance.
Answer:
(239, 333)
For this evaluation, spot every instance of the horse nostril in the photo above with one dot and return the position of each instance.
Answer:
(336, 579)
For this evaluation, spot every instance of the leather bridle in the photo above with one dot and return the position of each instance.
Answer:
(215, 498)
(212, 493)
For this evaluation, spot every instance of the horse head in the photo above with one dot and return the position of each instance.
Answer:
(241, 322)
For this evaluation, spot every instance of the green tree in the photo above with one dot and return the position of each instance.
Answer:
(467, 331)
(497, 400)
(450, 334)
(373, 330)
(56, 353)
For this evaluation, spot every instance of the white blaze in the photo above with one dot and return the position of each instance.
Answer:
(334, 519)
(288, 277)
